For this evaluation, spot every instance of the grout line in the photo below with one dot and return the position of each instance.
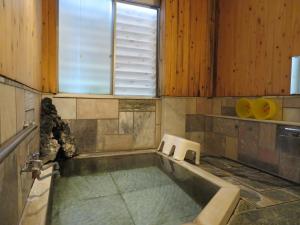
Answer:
(93, 198)
(76, 109)
(275, 205)
(16, 114)
(126, 206)
(119, 122)
(0, 127)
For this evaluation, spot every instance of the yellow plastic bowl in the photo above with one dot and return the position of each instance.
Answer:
(244, 107)
(265, 109)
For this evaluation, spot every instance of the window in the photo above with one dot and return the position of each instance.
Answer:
(135, 50)
(86, 45)
(295, 77)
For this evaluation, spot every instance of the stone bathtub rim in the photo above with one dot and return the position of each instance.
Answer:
(37, 203)
(217, 211)
(222, 205)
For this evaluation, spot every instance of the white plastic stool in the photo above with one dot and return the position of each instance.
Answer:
(181, 145)
(167, 144)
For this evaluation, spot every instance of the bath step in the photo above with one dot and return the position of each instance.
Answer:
(178, 147)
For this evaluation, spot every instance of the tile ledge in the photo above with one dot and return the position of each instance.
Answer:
(116, 153)
(16, 84)
(91, 96)
(280, 122)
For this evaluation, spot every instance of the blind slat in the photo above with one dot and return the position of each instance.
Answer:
(135, 65)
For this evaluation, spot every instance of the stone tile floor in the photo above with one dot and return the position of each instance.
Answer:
(143, 196)
(265, 199)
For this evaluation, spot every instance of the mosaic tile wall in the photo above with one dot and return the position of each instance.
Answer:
(103, 125)
(18, 104)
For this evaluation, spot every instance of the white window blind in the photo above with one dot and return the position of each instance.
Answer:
(135, 50)
(85, 46)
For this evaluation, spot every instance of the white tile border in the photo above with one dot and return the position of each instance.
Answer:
(217, 212)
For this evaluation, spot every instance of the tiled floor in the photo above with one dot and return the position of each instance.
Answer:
(144, 196)
(265, 199)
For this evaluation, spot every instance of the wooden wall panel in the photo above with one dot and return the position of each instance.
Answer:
(50, 46)
(256, 39)
(21, 41)
(186, 47)
(169, 46)
(202, 13)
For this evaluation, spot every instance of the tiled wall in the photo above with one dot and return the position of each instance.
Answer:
(103, 125)
(173, 112)
(17, 105)
(213, 123)
(251, 142)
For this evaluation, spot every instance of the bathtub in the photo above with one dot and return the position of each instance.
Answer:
(143, 188)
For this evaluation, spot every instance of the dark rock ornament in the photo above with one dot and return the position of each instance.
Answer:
(56, 140)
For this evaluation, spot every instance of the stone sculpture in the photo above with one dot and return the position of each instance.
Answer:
(56, 139)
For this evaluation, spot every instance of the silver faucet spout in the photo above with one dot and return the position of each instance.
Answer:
(32, 164)
(35, 166)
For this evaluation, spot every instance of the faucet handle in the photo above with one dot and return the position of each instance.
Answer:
(35, 155)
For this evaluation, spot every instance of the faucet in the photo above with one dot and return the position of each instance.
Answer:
(35, 166)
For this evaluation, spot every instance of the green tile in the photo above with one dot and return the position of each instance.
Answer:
(231, 180)
(255, 197)
(140, 178)
(70, 189)
(294, 190)
(214, 170)
(244, 206)
(160, 205)
(282, 214)
(109, 210)
(263, 181)
(180, 221)
(279, 196)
